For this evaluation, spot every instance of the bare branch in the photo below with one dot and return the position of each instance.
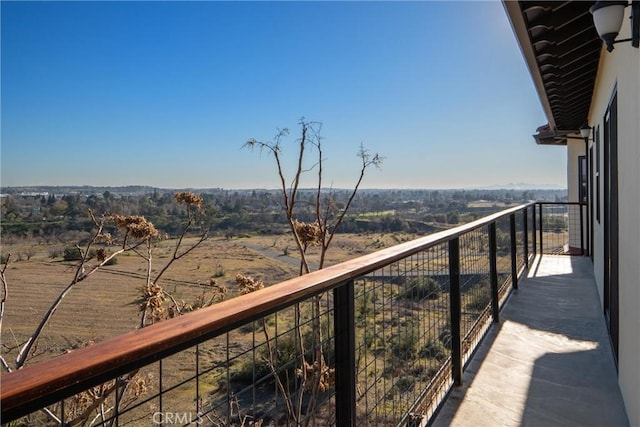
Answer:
(5, 289)
(318, 146)
(4, 364)
(175, 303)
(152, 289)
(272, 362)
(288, 195)
(148, 283)
(79, 276)
(367, 161)
(85, 275)
(298, 173)
(52, 416)
(176, 256)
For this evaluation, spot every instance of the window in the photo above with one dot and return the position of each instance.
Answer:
(583, 185)
(591, 198)
(596, 135)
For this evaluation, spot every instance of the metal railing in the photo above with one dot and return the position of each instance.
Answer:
(377, 340)
(562, 228)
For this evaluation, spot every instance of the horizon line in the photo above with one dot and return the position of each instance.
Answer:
(528, 186)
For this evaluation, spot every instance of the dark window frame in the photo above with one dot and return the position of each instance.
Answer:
(591, 197)
(611, 226)
(583, 183)
(597, 185)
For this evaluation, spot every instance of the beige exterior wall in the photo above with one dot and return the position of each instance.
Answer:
(575, 149)
(620, 71)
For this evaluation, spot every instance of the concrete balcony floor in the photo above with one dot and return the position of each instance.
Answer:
(548, 362)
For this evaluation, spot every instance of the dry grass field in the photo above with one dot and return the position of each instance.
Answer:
(104, 305)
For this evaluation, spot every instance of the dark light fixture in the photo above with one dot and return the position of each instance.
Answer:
(608, 16)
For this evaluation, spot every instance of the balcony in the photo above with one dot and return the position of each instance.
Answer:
(379, 340)
(549, 362)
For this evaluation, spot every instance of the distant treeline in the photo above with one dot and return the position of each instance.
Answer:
(49, 212)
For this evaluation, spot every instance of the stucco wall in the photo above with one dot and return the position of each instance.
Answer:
(620, 71)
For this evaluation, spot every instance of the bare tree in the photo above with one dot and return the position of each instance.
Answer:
(314, 373)
(328, 216)
(3, 300)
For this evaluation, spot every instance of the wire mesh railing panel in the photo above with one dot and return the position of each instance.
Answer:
(554, 220)
(521, 250)
(531, 221)
(273, 371)
(279, 369)
(503, 256)
(176, 376)
(562, 228)
(576, 228)
(402, 335)
(475, 288)
(125, 400)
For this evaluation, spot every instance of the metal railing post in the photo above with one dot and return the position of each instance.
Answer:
(581, 231)
(493, 273)
(540, 228)
(525, 235)
(345, 348)
(514, 252)
(587, 227)
(534, 245)
(456, 310)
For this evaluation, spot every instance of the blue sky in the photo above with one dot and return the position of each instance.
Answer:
(166, 93)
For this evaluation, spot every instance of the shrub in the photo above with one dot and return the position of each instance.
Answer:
(286, 358)
(479, 297)
(219, 271)
(445, 336)
(403, 385)
(364, 306)
(55, 252)
(404, 344)
(434, 350)
(419, 288)
(285, 361)
(478, 301)
(257, 325)
(71, 253)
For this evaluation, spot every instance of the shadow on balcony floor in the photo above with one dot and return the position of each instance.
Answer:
(548, 362)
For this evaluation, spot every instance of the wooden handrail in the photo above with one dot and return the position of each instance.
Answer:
(36, 386)
(562, 203)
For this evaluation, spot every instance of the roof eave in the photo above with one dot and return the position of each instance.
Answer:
(514, 13)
